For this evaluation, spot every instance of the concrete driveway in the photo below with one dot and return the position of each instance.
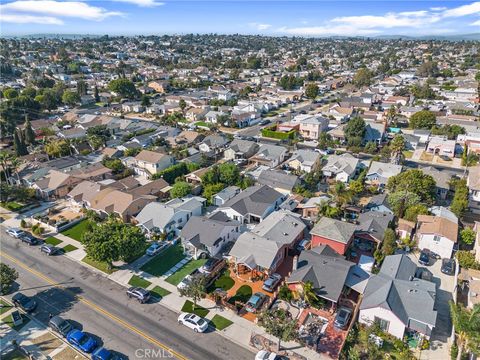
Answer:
(439, 341)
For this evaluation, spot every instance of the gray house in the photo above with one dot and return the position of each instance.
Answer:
(240, 149)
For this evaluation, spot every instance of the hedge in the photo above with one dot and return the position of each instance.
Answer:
(174, 171)
(267, 132)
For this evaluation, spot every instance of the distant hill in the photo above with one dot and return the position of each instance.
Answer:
(457, 37)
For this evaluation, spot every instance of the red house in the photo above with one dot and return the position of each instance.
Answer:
(334, 233)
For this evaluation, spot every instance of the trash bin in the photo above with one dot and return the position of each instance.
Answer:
(17, 318)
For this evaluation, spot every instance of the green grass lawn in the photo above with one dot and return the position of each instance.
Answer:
(98, 265)
(220, 323)
(69, 248)
(9, 321)
(137, 281)
(243, 294)
(5, 307)
(53, 241)
(163, 262)
(175, 278)
(159, 292)
(12, 205)
(202, 123)
(76, 231)
(224, 282)
(408, 154)
(200, 311)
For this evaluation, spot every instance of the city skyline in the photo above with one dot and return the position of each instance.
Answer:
(273, 18)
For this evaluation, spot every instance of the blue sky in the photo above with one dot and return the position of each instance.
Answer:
(300, 18)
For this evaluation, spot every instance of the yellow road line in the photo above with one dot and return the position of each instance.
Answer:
(96, 307)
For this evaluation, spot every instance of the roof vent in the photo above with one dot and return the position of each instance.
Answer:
(285, 234)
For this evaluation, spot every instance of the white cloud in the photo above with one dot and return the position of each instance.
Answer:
(476, 23)
(438, 8)
(259, 26)
(373, 24)
(75, 9)
(142, 3)
(30, 19)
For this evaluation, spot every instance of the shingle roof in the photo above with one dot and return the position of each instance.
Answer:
(374, 223)
(253, 200)
(278, 179)
(438, 226)
(332, 229)
(149, 156)
(204, 231)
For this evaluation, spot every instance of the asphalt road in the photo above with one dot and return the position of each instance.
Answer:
(100, 306)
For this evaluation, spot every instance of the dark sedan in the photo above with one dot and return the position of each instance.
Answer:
(448, 266)
(24, 302)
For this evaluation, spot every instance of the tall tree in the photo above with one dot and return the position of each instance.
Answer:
(311, 91)
(423, 119)
(279, 324)
(8, 275)
(195, 288)
(467, 328)
(414, 181)
(18, 144)
(82, 88)
(29, 133)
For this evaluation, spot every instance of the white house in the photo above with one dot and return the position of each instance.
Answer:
(341, 167)
(437, 234)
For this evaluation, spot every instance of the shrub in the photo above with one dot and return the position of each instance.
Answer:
(23, 224)
(466, 259)
(425, 344)
(285, 293)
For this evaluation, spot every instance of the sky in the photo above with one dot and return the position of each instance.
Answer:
(275, 18)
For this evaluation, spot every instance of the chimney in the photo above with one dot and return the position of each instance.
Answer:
(295, 263)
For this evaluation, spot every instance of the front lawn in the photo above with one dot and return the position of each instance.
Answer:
(5, 307)
(12, 205)
(137, 281)
(408, 154)
(159, 292)
(163, 262)
(220, 323)
(243, 293)
(9, 321)
(98, 265)
(187, 269)
(200, 311)
(224, 282)
(69, 248)
(76, 232)
(53, 241)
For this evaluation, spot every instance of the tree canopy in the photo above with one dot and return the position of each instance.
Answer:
(416, 182)
(423, 119)
(123, 87)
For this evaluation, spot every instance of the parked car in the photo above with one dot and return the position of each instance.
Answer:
(24, 302)
(212, 265)
(255, 302)
(343, 317)
(49, 249)
(448, 266)
(60, 325)
(15, 232)
(424, 258)
(264, 122)
(155, 248)
(103, 354)
(193, 321)
(267, 355)
(81, 341)
(29, 239)
(139, 293)
(303, 245)
(271, 282)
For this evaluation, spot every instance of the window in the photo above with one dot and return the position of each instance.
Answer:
(384, 324)
(436, 238)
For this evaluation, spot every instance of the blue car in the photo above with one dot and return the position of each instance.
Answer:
(103, 354)
(81, 341)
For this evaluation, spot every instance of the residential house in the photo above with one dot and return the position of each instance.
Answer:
(398, 301)
(438, 145)
(213, 144)
(442, 180)
(379, 173)
(341, 167)
(206, 236)
(149, 162)
(196, 114)
(310, 208)
(281, 181)
(371, 226)
(379, 203)
(170, 217)
(374, 132)
(269, 155)
(253, 204)
(311, 125)
(330, 274)
(334, 233)
(226, 194)
(240, 149)
(264, 249)
(54, 184)
(473, 183)
(93, 172)
(437, 234)
(405, 229)
(304, 160)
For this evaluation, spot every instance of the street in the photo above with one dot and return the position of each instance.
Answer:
(100, 306)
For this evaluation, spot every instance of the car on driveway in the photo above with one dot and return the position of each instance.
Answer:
(139, 293)
(424, 258)
(193, 321)
(343, 317)
(255, 302)
(60, 325)
(49, 249)
(81, 341)
(24, 302)
(271, 282)
(15, 232)
(448, 266)
(155, 248)
(29, 239)
(212, 265)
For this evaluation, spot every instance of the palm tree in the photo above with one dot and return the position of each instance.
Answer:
(340, 193)
(14, 164)
(4, 159)
(467, 327)
(308, 293)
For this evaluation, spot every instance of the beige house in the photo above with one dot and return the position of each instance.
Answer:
(149, 162)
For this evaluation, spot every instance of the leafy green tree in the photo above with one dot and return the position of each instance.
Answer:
(145, 100)
(19, 144)
(468, 236)
(123, 87)
(325, 141)
(82, 88)
(400, 200)
(254, 62)
(210, 190)
(324, 209)
(427, 69)
(70, 98)
(180, 189)
(58, 148)
(29, 133)
(279, 324)
(356, 186)
(96, 94)
(340, 194)
(423, 119)
(363, 77)
(8, 275)
(355, 128)
(451, 131)
(49, 99)
(459, 203)
(311, 91)
(397, 146)
(370, 147)
(412, 212)
(195, 288)
(414, 181)
(10, 93)
(467, 328)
